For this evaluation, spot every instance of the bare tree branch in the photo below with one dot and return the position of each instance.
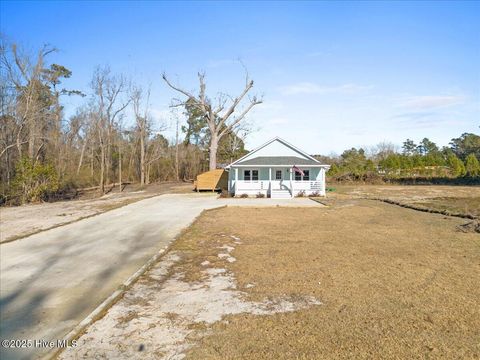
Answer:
(218, 124)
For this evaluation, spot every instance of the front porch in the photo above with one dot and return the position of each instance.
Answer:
(276, 182)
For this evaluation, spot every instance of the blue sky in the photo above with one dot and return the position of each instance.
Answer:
(332, 74)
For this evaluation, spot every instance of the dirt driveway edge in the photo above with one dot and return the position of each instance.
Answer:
(120, 205)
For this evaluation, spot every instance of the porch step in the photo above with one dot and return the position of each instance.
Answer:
(280, 194)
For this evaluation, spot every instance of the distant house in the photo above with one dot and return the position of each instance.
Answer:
(276, 169)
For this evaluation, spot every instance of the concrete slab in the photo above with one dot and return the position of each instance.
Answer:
(267, 202)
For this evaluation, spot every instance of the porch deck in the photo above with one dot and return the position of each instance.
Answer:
(277, 188)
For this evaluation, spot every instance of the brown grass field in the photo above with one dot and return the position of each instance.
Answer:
(395, 283)
(455, 199)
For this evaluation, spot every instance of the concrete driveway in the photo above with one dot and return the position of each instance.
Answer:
(50, 281)
(268, 202)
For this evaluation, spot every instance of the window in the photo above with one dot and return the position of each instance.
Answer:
(278, 174)
(306, 175)
(250, 175)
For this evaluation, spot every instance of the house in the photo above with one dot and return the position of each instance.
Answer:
(276, 169)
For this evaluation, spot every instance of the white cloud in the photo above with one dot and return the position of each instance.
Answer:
(432, 101)
(312, 88)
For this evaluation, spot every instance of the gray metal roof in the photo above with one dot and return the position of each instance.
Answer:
(277, 160)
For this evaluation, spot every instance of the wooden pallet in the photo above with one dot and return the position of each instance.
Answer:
(212, 180)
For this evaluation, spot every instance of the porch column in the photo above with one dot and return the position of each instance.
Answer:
(229, 183)
(270, 181)
(236, 182)
(322, 171)
(291, 182)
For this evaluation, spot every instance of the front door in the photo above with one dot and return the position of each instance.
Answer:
(280, 179)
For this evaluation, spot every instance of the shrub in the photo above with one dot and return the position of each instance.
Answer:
(243, 196)
(34, 181)
(455, 165)
(314, 194)
(301, 193)
(472, 166)
(225, 194)
(260, 195)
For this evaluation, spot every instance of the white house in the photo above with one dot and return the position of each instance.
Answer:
(276, 169)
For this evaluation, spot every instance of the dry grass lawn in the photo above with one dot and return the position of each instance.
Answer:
(395, 283)
(455, 199)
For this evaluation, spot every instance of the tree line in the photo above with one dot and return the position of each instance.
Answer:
(112, 137)
(458, 160)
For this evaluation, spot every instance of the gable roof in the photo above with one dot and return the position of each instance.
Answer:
(277, 161)
(302, 159)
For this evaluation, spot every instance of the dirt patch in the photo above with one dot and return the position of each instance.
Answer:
(162, 315)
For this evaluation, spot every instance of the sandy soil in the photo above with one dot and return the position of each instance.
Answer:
(359, 279)
(159, 317)
(20, 221)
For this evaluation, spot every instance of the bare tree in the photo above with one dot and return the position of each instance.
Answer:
(222, 118)
(382, 150)
(108, 104)
(24, 74)
(142, 125)
(82, 118)
(42, 149)
(148, 133)
(234, 141)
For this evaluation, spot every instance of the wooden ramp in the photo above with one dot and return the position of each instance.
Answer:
(212, 180)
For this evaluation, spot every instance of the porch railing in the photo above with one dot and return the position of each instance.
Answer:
(264, 185)
(251, 185)
(307, 185)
